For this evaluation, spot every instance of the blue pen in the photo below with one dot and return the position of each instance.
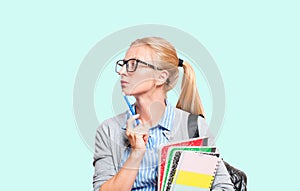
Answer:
(130, 108)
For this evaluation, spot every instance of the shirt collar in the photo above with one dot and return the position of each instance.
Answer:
(168, 116)
(166, 120)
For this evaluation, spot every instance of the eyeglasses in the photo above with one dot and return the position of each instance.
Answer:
(131, 65)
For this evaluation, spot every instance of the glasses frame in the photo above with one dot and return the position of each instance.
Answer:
(125, 62)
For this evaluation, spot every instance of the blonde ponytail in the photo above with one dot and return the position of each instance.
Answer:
(189, 99)
(167, 59)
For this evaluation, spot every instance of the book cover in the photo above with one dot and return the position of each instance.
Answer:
(200, 141)
(195, 171)
(173, 158)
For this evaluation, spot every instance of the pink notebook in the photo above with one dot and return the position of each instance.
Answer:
(195, 171)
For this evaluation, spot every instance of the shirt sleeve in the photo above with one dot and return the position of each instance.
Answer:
(222, 180)
(103, 159)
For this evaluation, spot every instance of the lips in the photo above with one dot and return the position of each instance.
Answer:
(123, 83)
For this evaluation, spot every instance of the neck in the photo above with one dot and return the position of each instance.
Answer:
(151, 107)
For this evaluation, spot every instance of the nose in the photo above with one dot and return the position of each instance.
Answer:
(123, 70)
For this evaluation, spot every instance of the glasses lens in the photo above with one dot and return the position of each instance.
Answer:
(131, 65)
(119, 65)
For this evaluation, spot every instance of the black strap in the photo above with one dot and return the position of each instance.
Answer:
(193, 126)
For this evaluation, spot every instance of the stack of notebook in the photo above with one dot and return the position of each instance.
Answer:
(188, 165)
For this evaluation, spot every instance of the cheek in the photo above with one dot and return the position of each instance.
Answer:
(145, 84)
(142, 82)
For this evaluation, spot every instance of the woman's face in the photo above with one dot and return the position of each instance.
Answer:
(142, 80)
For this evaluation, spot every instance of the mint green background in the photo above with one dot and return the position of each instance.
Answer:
(254, 43)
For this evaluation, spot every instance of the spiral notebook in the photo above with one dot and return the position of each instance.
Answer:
(174, 154)
(200, 141)
(195, 171)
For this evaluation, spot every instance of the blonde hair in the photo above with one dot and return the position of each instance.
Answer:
(166, 58)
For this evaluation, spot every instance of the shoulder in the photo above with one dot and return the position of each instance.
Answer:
(181, 113)
(184, 115)
(181, 117)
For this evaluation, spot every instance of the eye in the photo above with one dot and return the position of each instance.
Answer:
(131, 64)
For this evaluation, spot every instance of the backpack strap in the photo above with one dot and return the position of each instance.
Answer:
(193, 125)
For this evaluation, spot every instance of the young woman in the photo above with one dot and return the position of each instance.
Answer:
(126, 157)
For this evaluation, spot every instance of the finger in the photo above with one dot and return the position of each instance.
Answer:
(140, 132)
(130, 121)
(143, 128)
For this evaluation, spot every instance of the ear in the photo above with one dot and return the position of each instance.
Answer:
(162, 77)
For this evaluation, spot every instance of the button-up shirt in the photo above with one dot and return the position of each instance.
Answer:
(146, 179)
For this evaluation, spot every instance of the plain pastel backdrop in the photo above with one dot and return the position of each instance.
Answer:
(254, 43)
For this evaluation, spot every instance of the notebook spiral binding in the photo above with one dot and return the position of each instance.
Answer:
(215, 171)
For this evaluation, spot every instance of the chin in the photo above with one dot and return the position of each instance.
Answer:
(129, 93)
(132, 91)
(126, 92)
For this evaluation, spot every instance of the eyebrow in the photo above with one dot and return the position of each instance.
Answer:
(132, 58)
